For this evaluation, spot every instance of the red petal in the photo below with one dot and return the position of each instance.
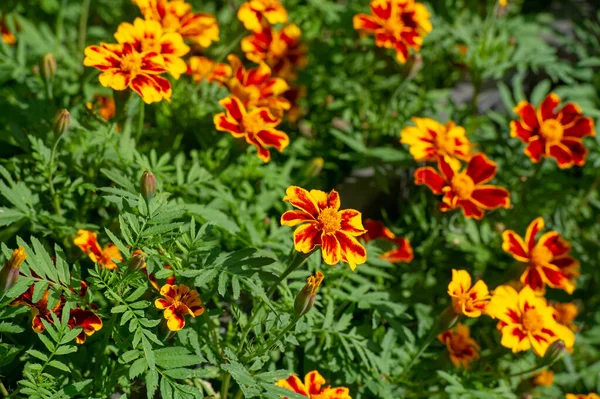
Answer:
(518, 130)
(562, 155)
(431, 178)
(535, 149)
(481, 169)
(470, 209)
(581, 128)
(578, 151)
(491, 197)
(527, 114)
(548, 105)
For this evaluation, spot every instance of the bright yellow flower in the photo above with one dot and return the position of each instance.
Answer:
(469, 300)
(461, 347)
(312, 387)
(582, 396)
(543, 378)
(256, 13)
(87, 242)
(177, 302)
(201, 68)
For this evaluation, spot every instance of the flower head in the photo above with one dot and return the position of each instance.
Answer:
(565, 314)
(39, 309)
(177, 16)
(104, 106)
(7, 36)
(201, 68)
(123, 67)
(306, 297)
(526, 321)
(87, 320)
(548, 261)
(88, 243)
(312, 387)
(462, 348)
(549, 132)
(470, 300)
(543, 378)
(324, 224)
(255, 14)
(396, 24)
(10, 271)
(148, 36)
(256, 126)
(281, 49)
(178, 301)
(402, 252)
(582, 396)
(466, 189)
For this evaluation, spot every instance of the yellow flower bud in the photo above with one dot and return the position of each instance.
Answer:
(137, 261)
(306, 298)
(48, 67)
(10, 271)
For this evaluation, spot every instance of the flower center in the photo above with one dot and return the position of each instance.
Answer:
(445, 144)
(462, 185)
(131, 63)
(330, 220)
(459, 344)
(540, 255)
(551, 130)
(532, 321)
(252, 124)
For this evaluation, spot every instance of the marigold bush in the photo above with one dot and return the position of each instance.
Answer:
(291, 199)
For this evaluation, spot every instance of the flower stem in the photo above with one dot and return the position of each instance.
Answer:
(225, 387)
(239, 394)
(273, 341)
(83, 19)
(529, 370)
(3, 390)
(55, 199)
(140, 125)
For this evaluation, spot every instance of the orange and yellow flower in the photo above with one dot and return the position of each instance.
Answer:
(430, 139)
(201, 68)
(281, 49)
(123, 67)
(7, 36)
(548, 261)
(323, 224)
(466, 189)
(88, 243)
(396, 24)
(565, 314)
(403, 251)
(256, 126)
(526, 321)
(177, 16)
(549, 132)
(178, 301)
(39, 309)
(255, 14)
(582, 396)
(149, 36)
(544, 378)
(312, 387)
(87, 320)
(461, 347)
(470, 300)
(104, 106)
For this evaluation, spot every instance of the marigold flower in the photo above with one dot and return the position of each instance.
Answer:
(177, 16)
(565, 314)
(430, 139)
(178, 301)
(397, 24)
(281, 49)
(88, 243)
(551, 133)
(403, 251)
(201, 68)
(122, 67)
(467, 189)
(256, 126)
(306, 297)
(88, 320)
(7, 36)
(325, 225)
(104, 106)
(470, 300)
(253, 13)
(543, 378)
(462, 348)
(548, 260)
(526, 321)
(39, 309)
(312, 387)
(10, 271)
(148, 36)
(582, 396)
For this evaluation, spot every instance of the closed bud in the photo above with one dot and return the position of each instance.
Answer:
(314, 167)
(306, 298)
(447, 319)
(555, 352)
(61, 122)
(137, 261)
(48, 67)
(10, 271)
(148, 184)
(416, 64)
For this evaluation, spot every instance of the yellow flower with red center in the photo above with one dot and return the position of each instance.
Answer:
(88, 243)
(544, 378)
(466, 189)
(256, 126)
(396, 24)
(87, 320)
(254, 14)
(39, 309)
(312, 387)
(123, 67)
(201, 68)
(104, 106)
(565, 314)
(526, 321)
(430, 139)
(548, 261)
(177, 16)
(178, 301)
(148, 36)
(403, 251)
(323, 224)
(461, 347)
(470, 300)
(281, 49)
(582, 396)
(549, 132)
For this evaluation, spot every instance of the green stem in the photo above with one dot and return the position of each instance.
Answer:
(239, 395)
(231, 46)
(83, 19)
(49, 92)
(273, 341)
(55, 199)
(213, 332)
(169, 335)
(225, 386)
(140, 125)
(3, 390)
(530, 370)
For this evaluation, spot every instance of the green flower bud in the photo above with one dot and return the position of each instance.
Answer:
(48, 67)
(10, 271)
(61, 122)
(306, 298)
(447, 319)
(148, 184)
(137, 261)
(555, 352)
(313, 167)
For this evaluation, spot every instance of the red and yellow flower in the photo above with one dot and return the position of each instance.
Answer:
(470, 300)
(39, 309)
(430, 139)
(549, 132)
(88, 243)
(87, 320)
(466, 189)
(548, 261)
(402, 252)
(461, 347)
(323, 224)
(7, 36)
(281, 49)
(526, 321)
(396, 24)
(202, 68)
(148, 36)
(123, 67)
(544, 378)
(312, 387)
(255, 14)
(582, 396)
(565, 314)
(104, 106)
(177, 16)
(178, 301)
(256, 126)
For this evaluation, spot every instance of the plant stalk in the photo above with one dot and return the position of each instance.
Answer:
(55, 199)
